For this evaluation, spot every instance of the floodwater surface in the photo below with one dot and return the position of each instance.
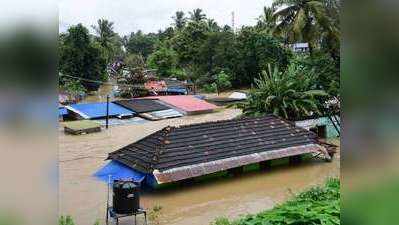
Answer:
(84, 198)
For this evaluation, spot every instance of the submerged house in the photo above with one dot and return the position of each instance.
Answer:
(179, 153)
(186, 104)
(150, 109)
(98, 110)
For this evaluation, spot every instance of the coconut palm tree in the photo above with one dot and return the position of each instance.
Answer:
(108, 39)
(302, 20)
(267, 20)
(283, 94)
(196, 15)
(213, 25)
(105, 32)
(180, 20)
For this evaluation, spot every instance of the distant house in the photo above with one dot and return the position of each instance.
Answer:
(300, 47)
(322, 126)
(179, 153)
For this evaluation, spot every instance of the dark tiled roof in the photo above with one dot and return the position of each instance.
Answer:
(142, 105)
(174, 147)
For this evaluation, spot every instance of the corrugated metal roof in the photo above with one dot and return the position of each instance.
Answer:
(142, 105)
(99, 110)
(238, 139)
(187, 103)
(163, 114)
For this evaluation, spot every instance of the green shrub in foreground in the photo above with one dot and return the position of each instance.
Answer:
(318, 205)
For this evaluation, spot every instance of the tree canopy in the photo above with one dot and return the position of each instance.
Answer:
(197, 48)
(81, 57)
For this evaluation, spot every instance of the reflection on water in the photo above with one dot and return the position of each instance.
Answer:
(101, 94)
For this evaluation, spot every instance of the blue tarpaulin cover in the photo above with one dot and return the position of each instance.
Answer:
(99, 110)
(119, 171)
(62, 111)
(177, 90)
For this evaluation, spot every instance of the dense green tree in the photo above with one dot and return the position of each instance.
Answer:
(164, 60)
(140, 43)
(187, 43)
(164, 35)
(327, 73)
(80, 57)
(216, 53)
(179, 20)
(197, 15)
(256, 49)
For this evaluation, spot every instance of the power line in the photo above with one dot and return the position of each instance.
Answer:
(102, 82)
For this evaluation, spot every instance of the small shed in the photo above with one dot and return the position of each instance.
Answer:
(178, 153)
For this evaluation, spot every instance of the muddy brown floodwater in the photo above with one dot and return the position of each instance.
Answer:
(84, 198)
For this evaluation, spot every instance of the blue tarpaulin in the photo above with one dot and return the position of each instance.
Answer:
(99, 110)
(119, 171)
(177, 90)
(62, 111)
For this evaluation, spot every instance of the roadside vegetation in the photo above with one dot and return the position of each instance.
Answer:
(318, 205)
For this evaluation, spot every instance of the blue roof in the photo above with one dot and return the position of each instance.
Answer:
(177, 90)
(62, 111)
(99, 110)
(118, 171)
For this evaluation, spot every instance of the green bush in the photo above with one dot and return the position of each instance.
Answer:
(290, 94)
(222, 81)
(210, 88)
(318, 205)
(66, 220)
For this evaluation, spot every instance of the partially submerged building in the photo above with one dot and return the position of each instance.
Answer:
(98, 110)
(186, 104)
(179, 153)
(324, 127)
(149, 108)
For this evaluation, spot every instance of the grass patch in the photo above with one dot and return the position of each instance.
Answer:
(318, 205)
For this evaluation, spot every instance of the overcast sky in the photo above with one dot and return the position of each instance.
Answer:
(152, 15)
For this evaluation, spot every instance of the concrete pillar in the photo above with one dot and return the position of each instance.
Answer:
(295, 160)
(236, 171)
(186, 182)
(265, 165)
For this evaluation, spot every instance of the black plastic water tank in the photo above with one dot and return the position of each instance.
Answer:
(125, 197)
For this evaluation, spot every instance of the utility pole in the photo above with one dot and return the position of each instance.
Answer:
(106, 119)
(232, 21)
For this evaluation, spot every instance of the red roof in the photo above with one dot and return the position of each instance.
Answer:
(187, 103)
(155, 85)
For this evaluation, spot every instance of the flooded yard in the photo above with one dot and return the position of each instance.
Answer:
(84, 198)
